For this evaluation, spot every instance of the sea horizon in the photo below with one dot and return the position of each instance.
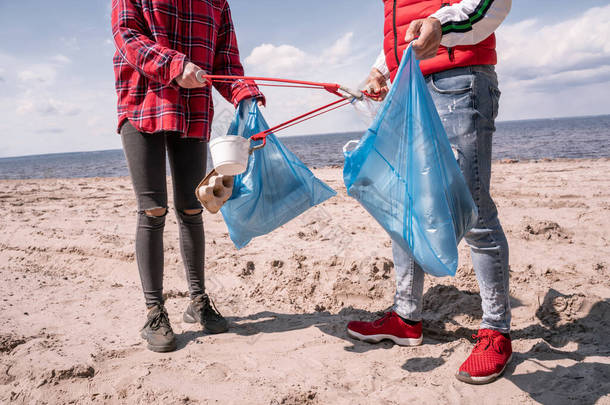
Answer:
(310, 135)
(583, 137)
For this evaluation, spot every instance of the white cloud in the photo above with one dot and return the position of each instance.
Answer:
(70, 43)
(340, 50)
(33, 103)
(568, 79)
(346, 61)
(61, 59)
(273, 60)
(42, 74)
(7, 61)
(531, 50)
(538, 62)
(50, 131)
(288, 60)
(58, 103)
(39, 90)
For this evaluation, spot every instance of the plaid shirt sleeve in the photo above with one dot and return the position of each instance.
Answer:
(226, 62)
(156, 62)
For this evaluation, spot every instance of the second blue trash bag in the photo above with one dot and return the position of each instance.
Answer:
(404, 173)
(275, 188)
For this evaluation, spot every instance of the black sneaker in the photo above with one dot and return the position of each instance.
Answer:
(202, 310)
(158, 332)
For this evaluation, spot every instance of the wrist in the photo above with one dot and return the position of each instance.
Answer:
(375, 73)
(436, 23)
(177, 65)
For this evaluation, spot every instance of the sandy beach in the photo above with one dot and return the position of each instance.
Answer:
(71, 303)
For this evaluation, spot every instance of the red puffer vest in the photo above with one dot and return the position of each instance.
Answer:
(398, 16)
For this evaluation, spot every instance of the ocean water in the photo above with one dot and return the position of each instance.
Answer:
(575, 138)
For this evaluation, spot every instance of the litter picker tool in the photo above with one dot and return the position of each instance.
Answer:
(345, 97)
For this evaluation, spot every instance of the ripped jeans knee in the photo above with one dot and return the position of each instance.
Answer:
(158, 212)
(191, 217)
(152, 219)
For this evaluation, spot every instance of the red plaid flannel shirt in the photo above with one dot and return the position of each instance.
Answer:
(154, 39)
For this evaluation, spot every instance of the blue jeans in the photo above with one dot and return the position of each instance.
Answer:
(467, 102)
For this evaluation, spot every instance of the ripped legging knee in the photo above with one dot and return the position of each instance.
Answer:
(146, 158)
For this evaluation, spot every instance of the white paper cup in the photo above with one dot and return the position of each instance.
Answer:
(230, 154)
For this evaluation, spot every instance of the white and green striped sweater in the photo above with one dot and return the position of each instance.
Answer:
(465, 23)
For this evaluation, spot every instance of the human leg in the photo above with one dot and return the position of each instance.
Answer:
(145, 154)
(467, 101)
(188, 159)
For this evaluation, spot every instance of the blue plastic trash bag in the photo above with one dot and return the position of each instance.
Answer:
(405, 174)
(275, 188)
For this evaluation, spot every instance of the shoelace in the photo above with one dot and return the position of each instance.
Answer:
(383, 319)
(485, 340)
(161, 319)
(208, 306)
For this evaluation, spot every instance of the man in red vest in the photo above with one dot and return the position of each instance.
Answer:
(455, 42)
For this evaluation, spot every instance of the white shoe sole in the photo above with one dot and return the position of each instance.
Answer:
(483, 380)
(379, 338)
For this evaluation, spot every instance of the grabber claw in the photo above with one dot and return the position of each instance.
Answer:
(261, 136)
(348, 93)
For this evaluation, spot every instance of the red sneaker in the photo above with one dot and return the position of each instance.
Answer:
(390, 326)
(488, 359)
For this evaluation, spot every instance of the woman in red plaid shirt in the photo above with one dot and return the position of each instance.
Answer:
(163, 110)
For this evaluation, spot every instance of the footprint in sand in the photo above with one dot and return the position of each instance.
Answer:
(215, 372)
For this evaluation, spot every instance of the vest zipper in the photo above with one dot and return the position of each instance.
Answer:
(449, 50)
(395, 35)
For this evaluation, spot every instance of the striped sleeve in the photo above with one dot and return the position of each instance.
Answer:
(381, 65)
(471, 21)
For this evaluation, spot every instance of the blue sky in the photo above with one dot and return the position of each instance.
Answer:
(56, 79)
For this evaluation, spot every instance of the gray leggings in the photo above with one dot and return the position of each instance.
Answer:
(146, 157)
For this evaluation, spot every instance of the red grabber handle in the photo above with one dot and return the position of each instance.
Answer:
(330, 87)
(324, 109)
